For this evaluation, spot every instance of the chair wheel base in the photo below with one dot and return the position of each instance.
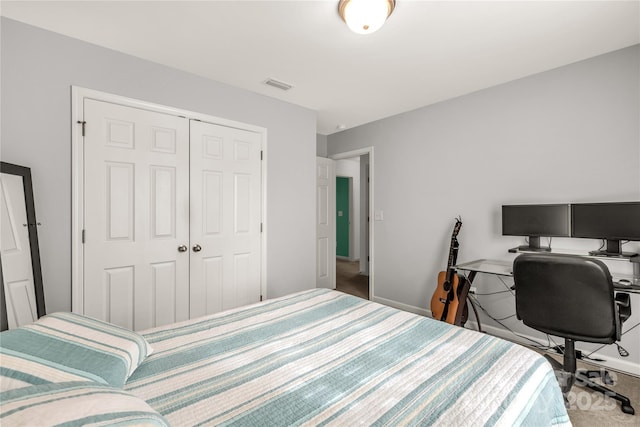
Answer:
(628, 409)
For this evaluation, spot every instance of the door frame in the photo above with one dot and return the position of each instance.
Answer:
(78, 95)
(357, 153)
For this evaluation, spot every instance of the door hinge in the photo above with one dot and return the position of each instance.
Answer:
(367, 258)
(261, 155)
(83, 123)
(83, 236)
(260, 297)
(261, 227)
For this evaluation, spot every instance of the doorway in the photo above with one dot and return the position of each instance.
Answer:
(354, 240)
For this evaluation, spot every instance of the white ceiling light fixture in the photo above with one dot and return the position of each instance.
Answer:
(365, 16)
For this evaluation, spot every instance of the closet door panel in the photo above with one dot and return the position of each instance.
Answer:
(213, 283)
(117, 295)
(163, 293)
(225, 217)
(136, 182)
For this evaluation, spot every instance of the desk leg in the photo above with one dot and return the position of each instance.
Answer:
(472, 275)
(462, 313)
(475, 311)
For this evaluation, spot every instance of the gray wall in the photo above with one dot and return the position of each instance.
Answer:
(566, 135)
(38, 69)
(321, 145)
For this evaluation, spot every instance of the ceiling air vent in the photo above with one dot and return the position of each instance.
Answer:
(278, 84)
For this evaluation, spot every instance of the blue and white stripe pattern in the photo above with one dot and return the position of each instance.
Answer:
(321, 357)
(75, 404)
(69, 347)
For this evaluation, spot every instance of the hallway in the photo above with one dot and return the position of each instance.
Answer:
(349, 280)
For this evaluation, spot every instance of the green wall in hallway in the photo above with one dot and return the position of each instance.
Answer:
(342, 221)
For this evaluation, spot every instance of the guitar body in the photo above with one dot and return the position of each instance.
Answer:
(445, 299)
(451, 289)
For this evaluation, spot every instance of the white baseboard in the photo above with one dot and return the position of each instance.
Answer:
(621, 365)
(401, 306)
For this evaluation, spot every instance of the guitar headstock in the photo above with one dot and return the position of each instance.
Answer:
(457, 227)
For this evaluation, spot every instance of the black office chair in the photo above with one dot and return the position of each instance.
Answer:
(571, 297)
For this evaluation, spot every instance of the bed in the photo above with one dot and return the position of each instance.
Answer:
(317, 357)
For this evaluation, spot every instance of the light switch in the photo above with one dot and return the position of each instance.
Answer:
(378, 216)
(339, 213)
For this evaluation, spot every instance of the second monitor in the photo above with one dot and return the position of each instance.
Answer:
(612, 222)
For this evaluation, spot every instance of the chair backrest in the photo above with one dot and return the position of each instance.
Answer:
(567, 296)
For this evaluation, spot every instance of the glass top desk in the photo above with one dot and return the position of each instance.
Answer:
(505, 268)
(489, 266)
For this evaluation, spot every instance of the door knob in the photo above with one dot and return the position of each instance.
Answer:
(197, 248)
(182, 248)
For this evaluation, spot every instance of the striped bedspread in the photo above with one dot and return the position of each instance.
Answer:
(321, 357)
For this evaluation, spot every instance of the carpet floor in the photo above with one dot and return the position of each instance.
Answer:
(589, 408)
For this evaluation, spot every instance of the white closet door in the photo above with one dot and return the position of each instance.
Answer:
(325, 223)
(16, 253)
(225, 217)
(136, 182)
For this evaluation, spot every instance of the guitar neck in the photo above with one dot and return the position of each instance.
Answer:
(453, 254)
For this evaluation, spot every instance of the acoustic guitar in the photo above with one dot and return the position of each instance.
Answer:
(445, 302)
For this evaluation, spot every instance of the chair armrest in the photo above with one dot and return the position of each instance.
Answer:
(623, 301)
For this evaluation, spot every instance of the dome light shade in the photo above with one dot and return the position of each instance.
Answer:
(365, 16)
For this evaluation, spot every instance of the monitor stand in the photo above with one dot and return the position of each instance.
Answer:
(614, 250)
(534, 246)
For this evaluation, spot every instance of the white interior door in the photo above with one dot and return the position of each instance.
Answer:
(226, 183)
(136, 198)
(325, 223)
(16, 253)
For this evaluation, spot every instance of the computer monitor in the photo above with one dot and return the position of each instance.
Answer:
(535, 221)
(613, 222)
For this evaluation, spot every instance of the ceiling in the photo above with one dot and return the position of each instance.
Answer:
(427, 52)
